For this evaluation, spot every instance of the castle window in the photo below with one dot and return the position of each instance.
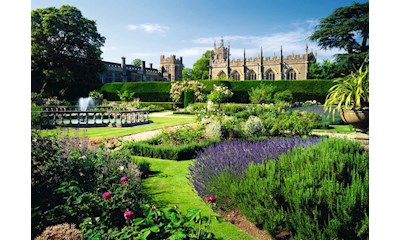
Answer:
(252, 75)
(291, 75)
(236, 75)
(270, 75)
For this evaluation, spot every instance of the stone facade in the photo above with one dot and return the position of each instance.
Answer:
(291, 67)
(170, 70)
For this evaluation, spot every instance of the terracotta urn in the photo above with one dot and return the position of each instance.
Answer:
(358, 118)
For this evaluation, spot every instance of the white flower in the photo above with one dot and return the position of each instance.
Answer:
(121, 168)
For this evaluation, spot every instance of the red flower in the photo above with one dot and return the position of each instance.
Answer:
(128, 215)
(106, 195)
(210, 199)
(124, 179)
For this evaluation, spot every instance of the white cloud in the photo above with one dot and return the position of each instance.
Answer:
(148, 27)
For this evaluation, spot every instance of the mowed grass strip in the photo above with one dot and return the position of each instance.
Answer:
(169, 186)
(158, 123)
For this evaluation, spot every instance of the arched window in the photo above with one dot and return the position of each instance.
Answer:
(221, 75)
(291, 75)
(236, 75)
(270, 75)
(252, 75)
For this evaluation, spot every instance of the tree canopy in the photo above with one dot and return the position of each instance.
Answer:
(347, 28)
(65, 49)
(137, 62)
(200, 69)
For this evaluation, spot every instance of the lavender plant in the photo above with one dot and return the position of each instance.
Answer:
(233, 157)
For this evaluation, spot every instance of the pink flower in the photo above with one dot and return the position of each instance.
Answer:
(128, 215)
(106, 195)
(124, 179)
(210, 199)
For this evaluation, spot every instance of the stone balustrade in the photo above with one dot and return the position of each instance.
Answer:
(101, 117)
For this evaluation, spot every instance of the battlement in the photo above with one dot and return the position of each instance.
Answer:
(170, 60)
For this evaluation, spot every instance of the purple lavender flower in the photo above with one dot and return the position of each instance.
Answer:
(233, 157)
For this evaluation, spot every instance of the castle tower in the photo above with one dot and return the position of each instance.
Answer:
(261, 65)
(171, 68)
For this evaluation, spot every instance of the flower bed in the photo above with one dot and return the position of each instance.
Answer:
(233, 157)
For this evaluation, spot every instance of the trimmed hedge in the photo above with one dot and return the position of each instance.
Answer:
(188, 98)
(180, 152)
(302, 90)
(146, 91)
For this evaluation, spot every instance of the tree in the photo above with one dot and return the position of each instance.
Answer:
(137, 62)
(325, 70)
(187, 74)
(346, 28)
(65, 49)
(201, 67)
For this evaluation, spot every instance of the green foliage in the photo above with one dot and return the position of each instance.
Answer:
(68, 180)
(294, 123)
(35, 115)
(351, 92)
(155, 223)
(262, 94)
(137, 62)
(187, 74)
(200, 69)
(96, 96)
(302, 90)
(319, 192)
(126, 96)
(164, 105)
(325, 70)
(347, 28)
(219, 95)
(188, 97)
(285, 96)
(65, 49)
(253, 127)
(146, 91)
(184, 151)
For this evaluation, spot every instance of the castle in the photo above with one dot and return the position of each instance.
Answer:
(291, 67)
(170, 70)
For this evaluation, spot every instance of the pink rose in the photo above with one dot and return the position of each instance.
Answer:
(106, 195)
(124, 179)
(128, 215)
(210, 199)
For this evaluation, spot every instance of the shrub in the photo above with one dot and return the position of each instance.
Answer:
(35, 115)
(232, 157)
(253, 127)
(230, 128)
(219, 95)
(188, 98)
(68, 178)
(285, 96)
(63, 231)
(153, 108)
(155, 223)
(96, 96)
(213, 131)
(184, 151)
(262, 94)
(320, 192)
(177, 88)
(126, 96)
(294, 123)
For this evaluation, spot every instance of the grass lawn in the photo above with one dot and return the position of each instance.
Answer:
(169, 187)
(337, 129)
(158, 123)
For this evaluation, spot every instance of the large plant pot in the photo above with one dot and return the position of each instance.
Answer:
(358, 118)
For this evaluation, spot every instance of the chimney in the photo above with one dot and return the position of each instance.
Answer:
(123, 65)
(181, 59)
(143, 65)
(151, 65)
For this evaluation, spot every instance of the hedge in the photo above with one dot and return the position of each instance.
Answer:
(302, 90)
(146, 91)
(180, 152)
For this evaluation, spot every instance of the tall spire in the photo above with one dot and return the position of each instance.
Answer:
(215, 45)
(307, 49)
(261, 53)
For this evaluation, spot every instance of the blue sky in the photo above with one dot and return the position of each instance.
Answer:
(146, 29)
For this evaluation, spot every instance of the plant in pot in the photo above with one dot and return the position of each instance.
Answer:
(350, 96)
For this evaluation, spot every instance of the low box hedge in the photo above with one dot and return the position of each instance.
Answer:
(180, 152)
